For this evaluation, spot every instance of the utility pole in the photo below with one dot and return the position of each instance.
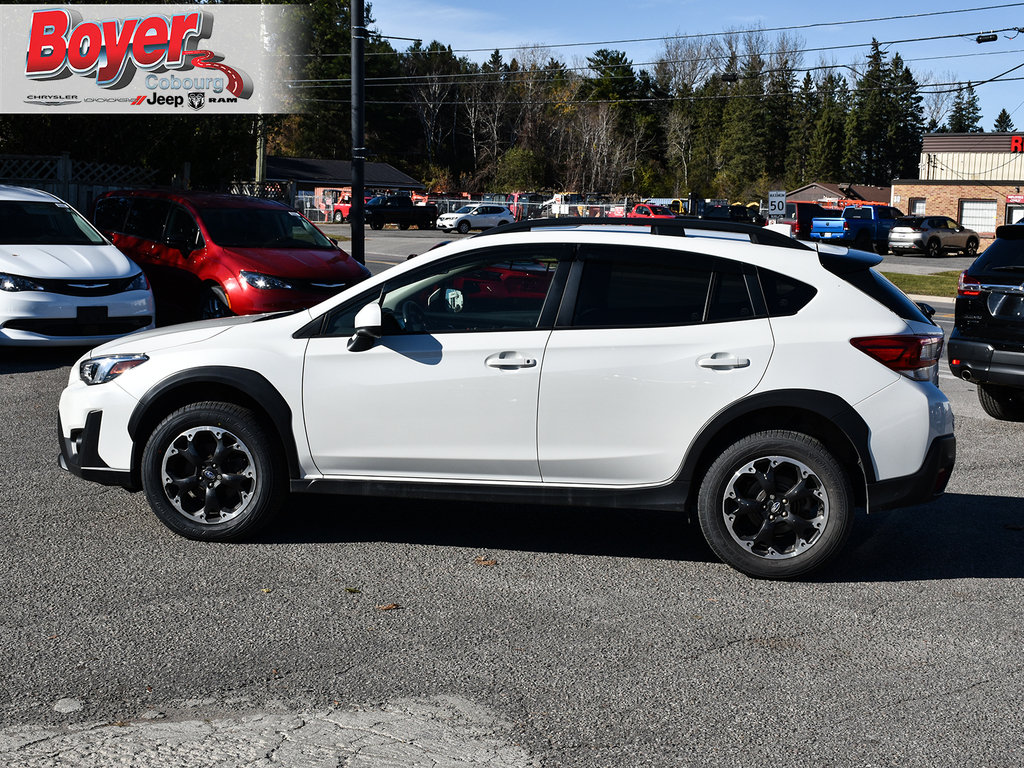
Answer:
(355, 215)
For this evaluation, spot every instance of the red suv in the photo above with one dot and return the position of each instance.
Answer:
(211, 255)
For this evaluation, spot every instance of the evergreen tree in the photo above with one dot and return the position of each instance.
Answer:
(744, 133)
(867, 121)
(965, 116)
(1003, 122)
(829, 136)
(781, 113)
(806, 108)
(902, 146)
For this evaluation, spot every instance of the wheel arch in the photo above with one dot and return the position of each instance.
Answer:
(224, 383)
(821, 415)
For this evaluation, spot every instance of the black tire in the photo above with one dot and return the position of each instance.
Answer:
(376, 225)
(214, 303)
(502, 223)
(338, 218)
(428, 225)
(776, 505)
(862, 242)
(463, 227)
(882, 248)
(971, 249)
(212, 471)
(403, 227)
(1003, 403)
(933, 248)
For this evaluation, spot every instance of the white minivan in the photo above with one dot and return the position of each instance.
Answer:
(61, 281)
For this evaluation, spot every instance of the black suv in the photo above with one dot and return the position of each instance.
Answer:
(987, 343)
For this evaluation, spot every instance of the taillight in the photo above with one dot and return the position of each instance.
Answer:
(916, 357)
(796, 227)
(846, 226)
(968, 286)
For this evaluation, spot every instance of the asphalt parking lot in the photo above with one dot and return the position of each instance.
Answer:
(384, 633)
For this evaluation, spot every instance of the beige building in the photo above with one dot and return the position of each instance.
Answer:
(975, 178)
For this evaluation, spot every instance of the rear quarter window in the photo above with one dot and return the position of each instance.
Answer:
(1002, 253)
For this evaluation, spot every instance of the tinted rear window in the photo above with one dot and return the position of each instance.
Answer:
(1002, 253)
(909, 221)
(885, 293)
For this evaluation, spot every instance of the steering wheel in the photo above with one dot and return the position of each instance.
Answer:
(414, 319)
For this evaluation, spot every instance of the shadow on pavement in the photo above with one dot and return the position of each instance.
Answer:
(959, 536)
(25, 359)
(495, 525)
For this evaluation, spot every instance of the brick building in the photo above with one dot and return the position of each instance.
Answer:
(975, 178)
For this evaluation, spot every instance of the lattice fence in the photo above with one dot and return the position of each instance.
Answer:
(77, 182)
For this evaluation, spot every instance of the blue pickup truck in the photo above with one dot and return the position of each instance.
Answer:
(859, 226)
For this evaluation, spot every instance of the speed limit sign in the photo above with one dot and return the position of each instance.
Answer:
(776, 204)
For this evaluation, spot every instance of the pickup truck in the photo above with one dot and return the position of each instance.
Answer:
(859, 226)
(400, 210)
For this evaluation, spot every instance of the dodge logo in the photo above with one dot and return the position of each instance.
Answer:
(196, 100)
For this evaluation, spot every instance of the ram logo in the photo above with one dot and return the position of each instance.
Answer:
(197, 100)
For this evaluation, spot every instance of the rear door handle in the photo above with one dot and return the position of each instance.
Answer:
(721, 361)
(509, 361)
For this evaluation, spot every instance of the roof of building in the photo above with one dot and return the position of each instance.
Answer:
(327, 172)
(818, 190)
(967, 142)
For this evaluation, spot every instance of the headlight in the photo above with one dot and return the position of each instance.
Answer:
(138, 283)
(14, 283)
(263, 282)
(100, 370)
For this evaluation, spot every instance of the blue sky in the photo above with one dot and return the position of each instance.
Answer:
(464, 24)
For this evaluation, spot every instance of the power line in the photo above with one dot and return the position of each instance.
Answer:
(789, 28)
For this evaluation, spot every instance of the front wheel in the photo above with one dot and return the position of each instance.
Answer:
(338, 218)
(971, 249)
(214, 303)
(376, 225)
(212, 471)
(463, 227)
(403, 226)
(776, 505)
(1003, 403)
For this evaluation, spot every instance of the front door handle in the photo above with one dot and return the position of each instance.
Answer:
(508, 361)
(721, 361)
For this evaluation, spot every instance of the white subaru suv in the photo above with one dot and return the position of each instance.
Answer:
(713, 369)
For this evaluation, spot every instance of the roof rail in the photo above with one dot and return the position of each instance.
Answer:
(677, 227)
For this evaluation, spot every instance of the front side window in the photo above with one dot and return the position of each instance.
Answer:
(500, 289)
(182, 229)
(110, 213)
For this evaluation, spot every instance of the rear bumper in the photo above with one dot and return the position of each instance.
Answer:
(928, 483)
(985, 362)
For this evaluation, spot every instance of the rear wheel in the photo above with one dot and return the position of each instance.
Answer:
(776, 505)
(212, 471)
(403, 227)
(971, 248)
(862, 242)
(375, 225)
(933, 248)
(1003, 403)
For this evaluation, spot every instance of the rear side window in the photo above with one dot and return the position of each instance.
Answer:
(856, 270)
(783, 295)
(629, 287)
(110, 213)
(146, 218)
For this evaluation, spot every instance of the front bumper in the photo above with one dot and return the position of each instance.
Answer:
(42, 318)
(79, 454)
(986, 362)
(929, 482)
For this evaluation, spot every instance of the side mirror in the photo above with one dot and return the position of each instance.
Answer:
(369, 321)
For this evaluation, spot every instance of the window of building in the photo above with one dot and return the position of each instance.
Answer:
(979, 215)
(917, 206)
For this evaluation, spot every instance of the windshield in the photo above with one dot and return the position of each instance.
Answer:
(37, 223)
(261, 228)
(466, 209)
(661, 210)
